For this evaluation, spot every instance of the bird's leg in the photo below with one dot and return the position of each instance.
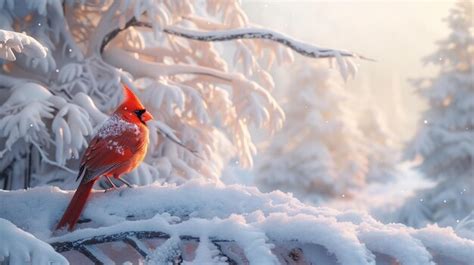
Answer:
(112, 185)
(124, 182)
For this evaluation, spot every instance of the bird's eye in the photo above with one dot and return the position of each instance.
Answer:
(140, 112)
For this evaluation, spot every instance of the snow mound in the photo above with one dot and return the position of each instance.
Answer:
(21, 247)
(207, 223)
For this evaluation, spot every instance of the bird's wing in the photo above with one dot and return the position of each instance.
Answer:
(106, 154)
(91, 174)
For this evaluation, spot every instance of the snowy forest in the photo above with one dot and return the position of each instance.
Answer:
(236, 132)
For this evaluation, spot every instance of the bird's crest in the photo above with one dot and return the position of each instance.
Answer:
(130, 101)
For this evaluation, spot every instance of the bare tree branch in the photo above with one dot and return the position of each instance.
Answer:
(111, 35)
(86, 252)
(77, 244)
(229, 260)
(137, 245)
(62, 246)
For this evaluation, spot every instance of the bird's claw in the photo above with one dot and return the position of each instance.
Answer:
(109, 189)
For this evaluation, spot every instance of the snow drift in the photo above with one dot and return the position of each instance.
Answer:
(207, 223)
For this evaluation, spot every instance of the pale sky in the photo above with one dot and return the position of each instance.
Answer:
(398, 34)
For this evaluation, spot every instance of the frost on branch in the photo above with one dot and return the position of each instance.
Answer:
(20, 247)
(208, 101)
(21, 43)
(205, 222)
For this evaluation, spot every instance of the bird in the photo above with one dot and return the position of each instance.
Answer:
(117, 148)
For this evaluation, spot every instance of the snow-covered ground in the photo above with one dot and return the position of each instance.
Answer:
(208, 223)
(382, 199)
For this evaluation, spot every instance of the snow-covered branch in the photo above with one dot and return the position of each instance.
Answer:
(187, 84)
(300, 47)
(132, 238)
(139, 68)
(62, 245)
(20, 247)
(200, 221)
(20, 43)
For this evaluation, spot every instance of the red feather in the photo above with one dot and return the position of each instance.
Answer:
(73, 211)
(118, 147)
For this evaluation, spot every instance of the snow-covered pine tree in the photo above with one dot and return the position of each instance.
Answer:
(382, 155)
(319, 153)
(445, 140)
(165, 51)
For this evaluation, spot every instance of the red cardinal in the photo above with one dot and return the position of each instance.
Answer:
(118, 147)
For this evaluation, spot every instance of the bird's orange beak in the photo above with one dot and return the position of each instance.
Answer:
(146, 116)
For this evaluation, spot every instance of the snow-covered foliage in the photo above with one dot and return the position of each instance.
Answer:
(445, 140)
(20, 247)
(382, 156)
(320, 152)
(21, 43)
(208, 223)
(162, 49)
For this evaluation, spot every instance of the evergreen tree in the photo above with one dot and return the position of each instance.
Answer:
(382, 156)
(319, 153)
(445, 140)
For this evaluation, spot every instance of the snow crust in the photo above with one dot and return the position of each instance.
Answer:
(258, 223)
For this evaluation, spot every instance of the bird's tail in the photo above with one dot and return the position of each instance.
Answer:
(78, 201)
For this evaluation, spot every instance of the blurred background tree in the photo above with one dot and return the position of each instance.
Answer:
(320, 153)
(382, 152)
(445, 140)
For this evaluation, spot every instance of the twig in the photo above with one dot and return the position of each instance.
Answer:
(49, 161)
(86, 252)
(86, 245)
(229, 260)
(111, 35)
(137, 245)
(28, 172)
(77, 244)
